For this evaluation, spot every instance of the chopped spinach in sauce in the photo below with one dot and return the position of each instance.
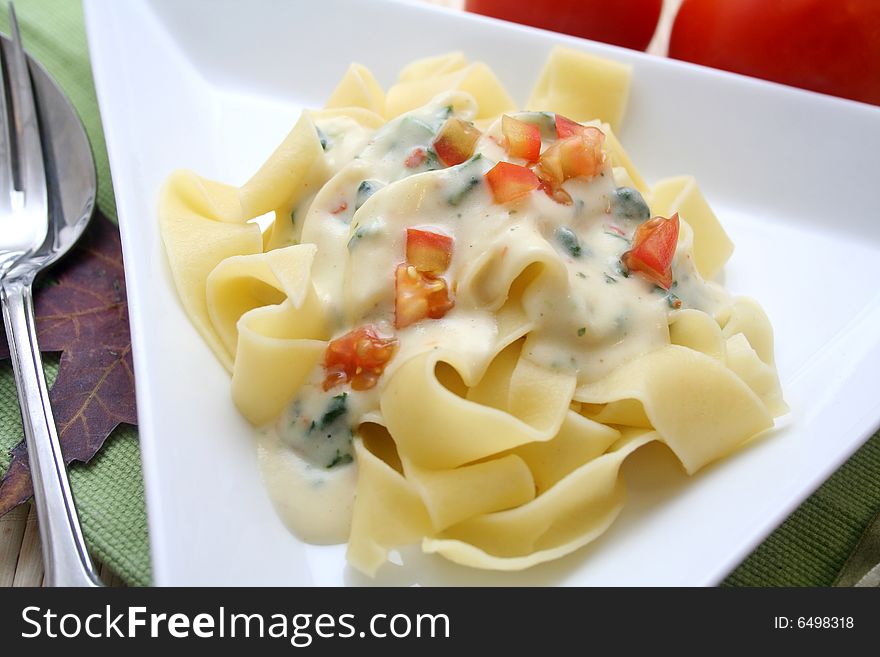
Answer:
(325, 439)
(365, 190)
(568, 239)
(325, 141)
(627, 203)
(371, 229)
(473, 177)
(340, 458)
(432, 162)
(335, 409)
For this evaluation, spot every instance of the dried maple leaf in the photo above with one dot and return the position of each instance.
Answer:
(81, 311)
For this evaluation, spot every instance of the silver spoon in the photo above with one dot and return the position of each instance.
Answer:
(56, 208)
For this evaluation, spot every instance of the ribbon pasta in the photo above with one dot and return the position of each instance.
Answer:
(486, 356)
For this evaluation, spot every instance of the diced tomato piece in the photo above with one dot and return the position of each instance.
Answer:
(653, 249)
(415, 158)
(523, 139)
(358, 356)
(456, 141)
(418, 295)
(511, 181)
(576, 156)
(565, 127)
(428, 251)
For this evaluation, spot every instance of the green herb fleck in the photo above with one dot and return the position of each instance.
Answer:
(610, 279)
(581, 274)
(335, 409)
(367, 230)
(364, 191)
(432, 162)
(569, 241)
(469, 186)
(341, 458)
(474, 174)
(325, 142)
(582, 331)
(356, 237)
(628, 203)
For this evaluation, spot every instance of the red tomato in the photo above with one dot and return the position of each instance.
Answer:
(510, 181)
(565, 127)
(455, 142)
(579, 155)
(415, 158)
(428, 251)
(418, 295)
(358, 356)
(830, 46)
(522, 139)
(653, 249)
(628, 23)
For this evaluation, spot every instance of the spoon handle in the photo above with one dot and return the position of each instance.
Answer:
(65, 558)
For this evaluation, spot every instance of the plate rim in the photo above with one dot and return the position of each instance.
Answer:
(97, 40)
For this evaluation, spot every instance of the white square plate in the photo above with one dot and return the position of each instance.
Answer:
(215, 85)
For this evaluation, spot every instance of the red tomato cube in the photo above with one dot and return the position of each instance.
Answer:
(576, 156)
(523, 139)
(456, 141)
(428, 251)
(565, 127)
(653, 249)
(418, 295)
(511, 181)
(358, 356)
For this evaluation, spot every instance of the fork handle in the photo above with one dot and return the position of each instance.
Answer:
(65, 558)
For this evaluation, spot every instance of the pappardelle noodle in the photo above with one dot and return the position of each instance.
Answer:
(460, 317)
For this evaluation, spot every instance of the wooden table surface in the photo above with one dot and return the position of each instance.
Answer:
(21, 563)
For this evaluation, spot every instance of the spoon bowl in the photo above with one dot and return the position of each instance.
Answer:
(47, 173)
(71, 182)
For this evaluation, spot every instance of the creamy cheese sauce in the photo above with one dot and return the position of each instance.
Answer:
(586, 314)
(313, 502)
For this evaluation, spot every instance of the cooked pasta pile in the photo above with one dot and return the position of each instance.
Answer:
(462, 318)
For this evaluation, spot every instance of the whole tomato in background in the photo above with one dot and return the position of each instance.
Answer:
(831, 46)
(628, 23)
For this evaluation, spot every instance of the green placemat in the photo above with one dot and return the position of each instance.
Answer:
(807, 550)
(109, 491)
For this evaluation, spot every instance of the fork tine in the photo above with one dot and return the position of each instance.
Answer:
(31, 172)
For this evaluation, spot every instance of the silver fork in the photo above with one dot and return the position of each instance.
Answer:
(26, 246)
